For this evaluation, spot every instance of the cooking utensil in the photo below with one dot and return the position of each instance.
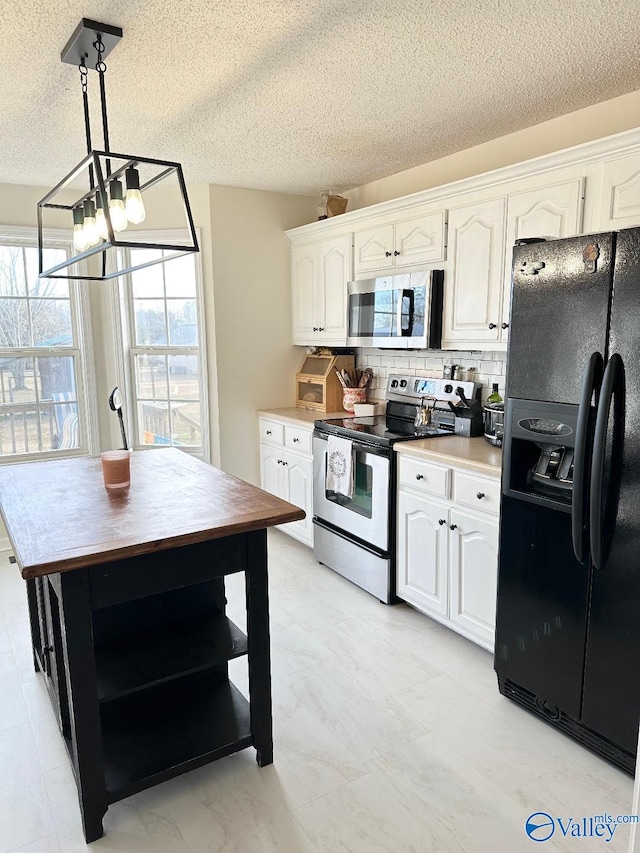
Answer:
(340, 378)
(461, 394)
(115, 404)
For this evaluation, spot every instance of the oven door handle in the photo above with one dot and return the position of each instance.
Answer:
(359, 446)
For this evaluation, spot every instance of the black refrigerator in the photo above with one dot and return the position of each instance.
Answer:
(568, 613)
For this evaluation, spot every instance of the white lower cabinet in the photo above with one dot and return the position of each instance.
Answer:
(473, 564)
(288, 474)
(423, 547)
(447, 555)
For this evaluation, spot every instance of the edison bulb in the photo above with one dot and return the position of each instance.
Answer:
(90, 230)
(135, 207)
(101, 224)
(118, 214)
(79, 238)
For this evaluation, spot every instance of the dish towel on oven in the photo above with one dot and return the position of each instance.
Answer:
(339, 465)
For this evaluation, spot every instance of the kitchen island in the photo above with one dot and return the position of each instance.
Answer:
(127, 610)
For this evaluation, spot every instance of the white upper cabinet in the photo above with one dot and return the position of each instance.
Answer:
(304, 275)
(319, 275)
(473, 295)
(414, 239)
(550, 211)
(335, 272)
(620, 206)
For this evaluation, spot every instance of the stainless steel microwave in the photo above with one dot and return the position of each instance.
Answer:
(396, 311)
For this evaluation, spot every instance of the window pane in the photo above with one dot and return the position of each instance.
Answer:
(51, 321)
(57, 378)
(45, 286)
(148, 281)
(186, 423)
(183, 327)
(151, 377)
(12, 281)
(180, 276)
(184, 381)
(17, 384)
(153, 418)
(25, 426)
(14, 323)
(150, 322)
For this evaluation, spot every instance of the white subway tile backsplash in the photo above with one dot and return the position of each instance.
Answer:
(490, 367)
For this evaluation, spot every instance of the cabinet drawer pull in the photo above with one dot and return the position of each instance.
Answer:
(505, 326)
(492, 325)
(296, 440)
(387, 254)
(419, 476)
(453, 527)
(396, 253)
(268, 432)
(442, 521)
(480, 495)
(284, 463)
(279, 461)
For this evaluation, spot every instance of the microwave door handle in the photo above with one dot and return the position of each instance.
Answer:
(400, 331)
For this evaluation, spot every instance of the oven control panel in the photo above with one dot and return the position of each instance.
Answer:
(411, 388)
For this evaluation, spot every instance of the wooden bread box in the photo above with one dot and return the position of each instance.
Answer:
(317, 386)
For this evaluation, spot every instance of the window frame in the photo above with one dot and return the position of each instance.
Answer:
(127, 349)
(82, 352)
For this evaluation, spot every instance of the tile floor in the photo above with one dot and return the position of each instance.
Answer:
(390, 737)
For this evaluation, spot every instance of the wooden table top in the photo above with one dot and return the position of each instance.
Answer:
(59, 516)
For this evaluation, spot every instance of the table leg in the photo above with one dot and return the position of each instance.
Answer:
(84, 711)
(258, 646)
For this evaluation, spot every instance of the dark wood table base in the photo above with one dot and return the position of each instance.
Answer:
(135, 656)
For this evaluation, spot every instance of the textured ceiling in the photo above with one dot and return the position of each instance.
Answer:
(303, 95)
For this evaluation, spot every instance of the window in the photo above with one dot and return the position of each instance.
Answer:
(41, 369)
(166, 352)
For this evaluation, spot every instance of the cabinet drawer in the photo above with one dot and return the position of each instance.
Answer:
(297, 439)
(271, 432)
(424, 476)
(477, 492)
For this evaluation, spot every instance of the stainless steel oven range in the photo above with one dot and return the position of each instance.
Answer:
(355, 536)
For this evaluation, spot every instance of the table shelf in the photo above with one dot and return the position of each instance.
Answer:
(166, 732)
(175, 649)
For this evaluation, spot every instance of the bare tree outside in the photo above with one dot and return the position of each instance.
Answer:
(37, 392)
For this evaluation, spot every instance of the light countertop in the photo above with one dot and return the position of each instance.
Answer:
(300, 417)
(475, 454)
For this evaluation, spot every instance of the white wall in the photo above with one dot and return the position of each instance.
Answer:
(252, 289)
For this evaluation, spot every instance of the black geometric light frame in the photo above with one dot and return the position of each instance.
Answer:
(103, 167)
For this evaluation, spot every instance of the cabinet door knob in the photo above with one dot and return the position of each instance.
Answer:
(284, 463)
(296, 440)
(315, 328)
(387, 254)
(492, 325)
(279, 461)
(321, 328)
(480, 495)
(505, 325)
(46, 651)
(268, 432)
(442, 521)
(396, 253)
(419, 476)
(453, 527)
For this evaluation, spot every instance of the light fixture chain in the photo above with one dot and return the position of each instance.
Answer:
(83, 76)
(101, 67)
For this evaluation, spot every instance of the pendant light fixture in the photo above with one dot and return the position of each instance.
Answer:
(103, 212)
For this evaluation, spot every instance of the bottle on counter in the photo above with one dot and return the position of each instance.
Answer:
(494, 396)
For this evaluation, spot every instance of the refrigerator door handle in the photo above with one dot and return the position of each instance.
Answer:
(604, 509)
(579, 500)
